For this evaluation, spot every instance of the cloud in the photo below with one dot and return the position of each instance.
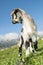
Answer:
(9, 36)
(40, 33)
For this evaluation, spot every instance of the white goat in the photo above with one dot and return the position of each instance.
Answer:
(28, 32)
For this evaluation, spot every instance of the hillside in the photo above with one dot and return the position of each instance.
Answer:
(10, 56)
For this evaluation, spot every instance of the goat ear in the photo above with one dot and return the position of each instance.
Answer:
(15, 11)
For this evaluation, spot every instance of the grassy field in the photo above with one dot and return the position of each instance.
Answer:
(10, 56)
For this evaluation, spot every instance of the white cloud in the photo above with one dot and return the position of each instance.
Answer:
(9, 36)
(40, 33)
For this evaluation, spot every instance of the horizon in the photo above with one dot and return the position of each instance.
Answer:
(32, 7)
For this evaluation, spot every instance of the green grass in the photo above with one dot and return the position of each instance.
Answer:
(10, 56)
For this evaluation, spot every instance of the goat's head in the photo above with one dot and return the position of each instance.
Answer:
(16, 16)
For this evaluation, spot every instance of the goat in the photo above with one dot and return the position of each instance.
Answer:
(28, 32)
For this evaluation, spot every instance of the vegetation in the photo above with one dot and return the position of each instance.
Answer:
(10, 56)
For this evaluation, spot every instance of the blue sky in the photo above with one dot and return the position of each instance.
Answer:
(33, 7)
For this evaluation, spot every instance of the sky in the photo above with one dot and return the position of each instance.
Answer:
(32, 7)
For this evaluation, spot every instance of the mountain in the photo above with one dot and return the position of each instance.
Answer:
(8, 40)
